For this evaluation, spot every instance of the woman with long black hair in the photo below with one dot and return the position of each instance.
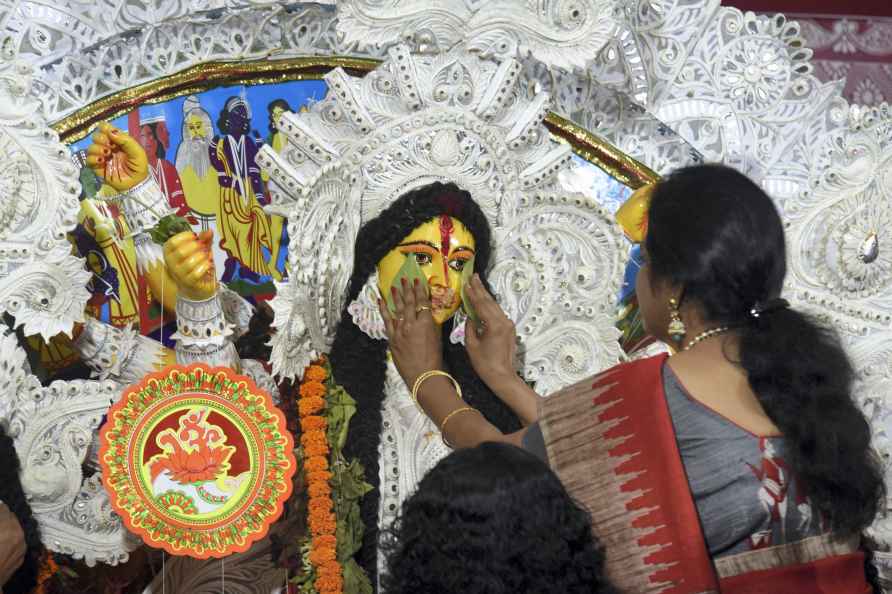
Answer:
(741, 463)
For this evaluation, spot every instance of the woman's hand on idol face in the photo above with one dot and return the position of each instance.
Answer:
(492, 341)
(190, 264)
(414, 339)
(117, 157)
(12, 544)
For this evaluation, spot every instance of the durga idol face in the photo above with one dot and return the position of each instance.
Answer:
(441, 247)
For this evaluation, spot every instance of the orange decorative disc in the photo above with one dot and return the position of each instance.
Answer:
(197, 460)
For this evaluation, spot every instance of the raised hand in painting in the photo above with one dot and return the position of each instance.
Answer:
(12, 544)
(413, 337)
(190, 263)
(117, 157)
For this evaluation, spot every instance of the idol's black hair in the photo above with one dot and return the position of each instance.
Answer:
(359, 362)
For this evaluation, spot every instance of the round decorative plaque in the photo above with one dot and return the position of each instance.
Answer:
(197, 460)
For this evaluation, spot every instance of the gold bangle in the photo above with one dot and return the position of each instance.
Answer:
(449, 416)
(426, 376)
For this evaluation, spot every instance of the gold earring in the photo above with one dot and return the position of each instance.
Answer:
(676, 326)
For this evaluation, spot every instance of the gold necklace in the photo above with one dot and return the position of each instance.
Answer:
(706, 334)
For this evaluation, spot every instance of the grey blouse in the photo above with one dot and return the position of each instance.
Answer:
(744, 492)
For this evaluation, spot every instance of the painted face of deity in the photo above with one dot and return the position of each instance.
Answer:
(163, 134)
(441, 247)
(277, 113)
(239, 122)
(148, 142)
(195, 127)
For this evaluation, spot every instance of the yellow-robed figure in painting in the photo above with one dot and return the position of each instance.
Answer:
(244, 227)
(194, 163)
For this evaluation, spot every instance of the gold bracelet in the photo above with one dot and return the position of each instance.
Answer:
(449, 416)
(426, 376)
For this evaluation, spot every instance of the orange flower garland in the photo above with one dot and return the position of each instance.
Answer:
(47, 569)
(321, 520)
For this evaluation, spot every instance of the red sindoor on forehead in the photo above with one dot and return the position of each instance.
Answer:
(446, 229)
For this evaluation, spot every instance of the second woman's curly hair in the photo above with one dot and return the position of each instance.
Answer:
(718, 235)
(493, 519)
(359, 362)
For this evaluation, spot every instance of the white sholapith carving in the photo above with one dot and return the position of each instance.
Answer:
(41, 284)
(672, 83)
(53, 429)
(560, 33)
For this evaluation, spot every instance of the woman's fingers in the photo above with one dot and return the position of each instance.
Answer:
(484, 303)
(97, 155)
(422, 301)
(399, 305)
(409, 299)
(182, 246)
(388, 320)
(472, 338)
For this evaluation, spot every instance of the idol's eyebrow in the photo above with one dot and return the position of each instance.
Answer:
(464, 248)
(419, 242)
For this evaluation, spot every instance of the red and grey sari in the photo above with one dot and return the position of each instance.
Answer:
(612, 442)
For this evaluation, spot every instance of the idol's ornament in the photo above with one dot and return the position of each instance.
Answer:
(197, 460)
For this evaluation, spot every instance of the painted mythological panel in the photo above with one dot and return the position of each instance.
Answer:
(201, 150)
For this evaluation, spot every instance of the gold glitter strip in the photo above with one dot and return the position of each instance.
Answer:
(203, 77)
(598, 151)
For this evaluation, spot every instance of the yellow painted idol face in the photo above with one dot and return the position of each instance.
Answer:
(440, 247)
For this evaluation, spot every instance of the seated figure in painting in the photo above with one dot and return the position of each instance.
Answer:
(442, 230)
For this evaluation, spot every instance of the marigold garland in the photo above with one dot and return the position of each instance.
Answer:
(322, 524)
(319, 490)
(48, 568)
(310, 406)
(321, 520)
(313, 423)
(315, 373)
(318, 475)
(312, 389)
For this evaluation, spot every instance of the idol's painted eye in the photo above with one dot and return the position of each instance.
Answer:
(457, 264)
(422, 258)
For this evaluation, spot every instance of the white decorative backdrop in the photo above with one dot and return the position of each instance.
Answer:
(670, 82)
